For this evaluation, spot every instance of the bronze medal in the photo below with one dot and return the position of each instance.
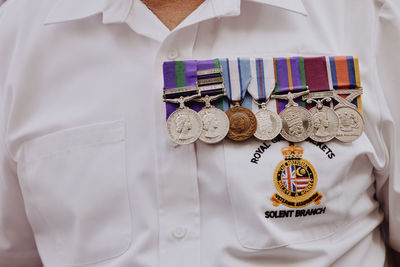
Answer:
(242, 123)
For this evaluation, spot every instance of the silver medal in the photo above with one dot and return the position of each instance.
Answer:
(351, 124)
(296, 120)
(296, 124)
(215, 125)
(324, 119)
(325, 124)
(184, 126)
(269, 124)
(215, 122)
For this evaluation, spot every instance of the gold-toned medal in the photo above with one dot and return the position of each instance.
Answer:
(242, 123)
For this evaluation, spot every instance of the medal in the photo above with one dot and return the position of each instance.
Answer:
(215, 124)
(325, 121)
(269, 124)
(347, 84)
(351, 124)
(184, 125)
(242, 122)
(211, 87)
(296, 120)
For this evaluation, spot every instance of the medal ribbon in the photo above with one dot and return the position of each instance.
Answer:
(179, 74)
(263, 78)
(317, 78)
(290, 77)
(316, 71)
(345, 74)
(237, 77)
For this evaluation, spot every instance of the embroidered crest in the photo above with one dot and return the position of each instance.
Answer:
(295, 180)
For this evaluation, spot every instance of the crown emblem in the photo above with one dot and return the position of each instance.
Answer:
(292, 152)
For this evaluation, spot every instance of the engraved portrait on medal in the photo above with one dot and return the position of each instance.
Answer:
(184, 126)
(325, 124)
(215, 125)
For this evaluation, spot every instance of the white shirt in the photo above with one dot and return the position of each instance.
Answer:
(89, 177)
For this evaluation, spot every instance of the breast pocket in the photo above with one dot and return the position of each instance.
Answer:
(278, 201)
(74, 185)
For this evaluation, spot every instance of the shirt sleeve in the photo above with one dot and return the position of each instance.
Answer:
(17, 245)
(387, 64)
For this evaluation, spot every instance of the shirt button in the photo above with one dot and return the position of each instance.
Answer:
(173, 54)
(179, 232)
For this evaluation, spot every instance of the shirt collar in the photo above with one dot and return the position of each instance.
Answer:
(116, 11)
(232, 7)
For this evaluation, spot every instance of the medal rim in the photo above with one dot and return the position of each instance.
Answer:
(219, 139)
(277, 129)
(197, 133)
(251, 129)
(308, 130)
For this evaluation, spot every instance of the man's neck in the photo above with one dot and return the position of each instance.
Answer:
(172, 12)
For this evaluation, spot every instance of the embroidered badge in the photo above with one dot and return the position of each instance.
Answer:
(295, 180)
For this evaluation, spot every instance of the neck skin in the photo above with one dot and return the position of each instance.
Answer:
(172, 12)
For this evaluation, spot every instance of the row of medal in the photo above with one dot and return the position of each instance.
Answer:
(322, 122)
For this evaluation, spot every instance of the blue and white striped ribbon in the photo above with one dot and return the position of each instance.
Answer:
(237, 77)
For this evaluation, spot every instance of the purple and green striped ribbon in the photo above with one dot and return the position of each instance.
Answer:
(179, 74)
(290, 77)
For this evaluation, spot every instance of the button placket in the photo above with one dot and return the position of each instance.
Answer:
(179, 210)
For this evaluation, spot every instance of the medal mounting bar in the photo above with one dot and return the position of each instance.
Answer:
(180, 90)
(336, 94)
(209, 71)
(210, 81)
(211, 87)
